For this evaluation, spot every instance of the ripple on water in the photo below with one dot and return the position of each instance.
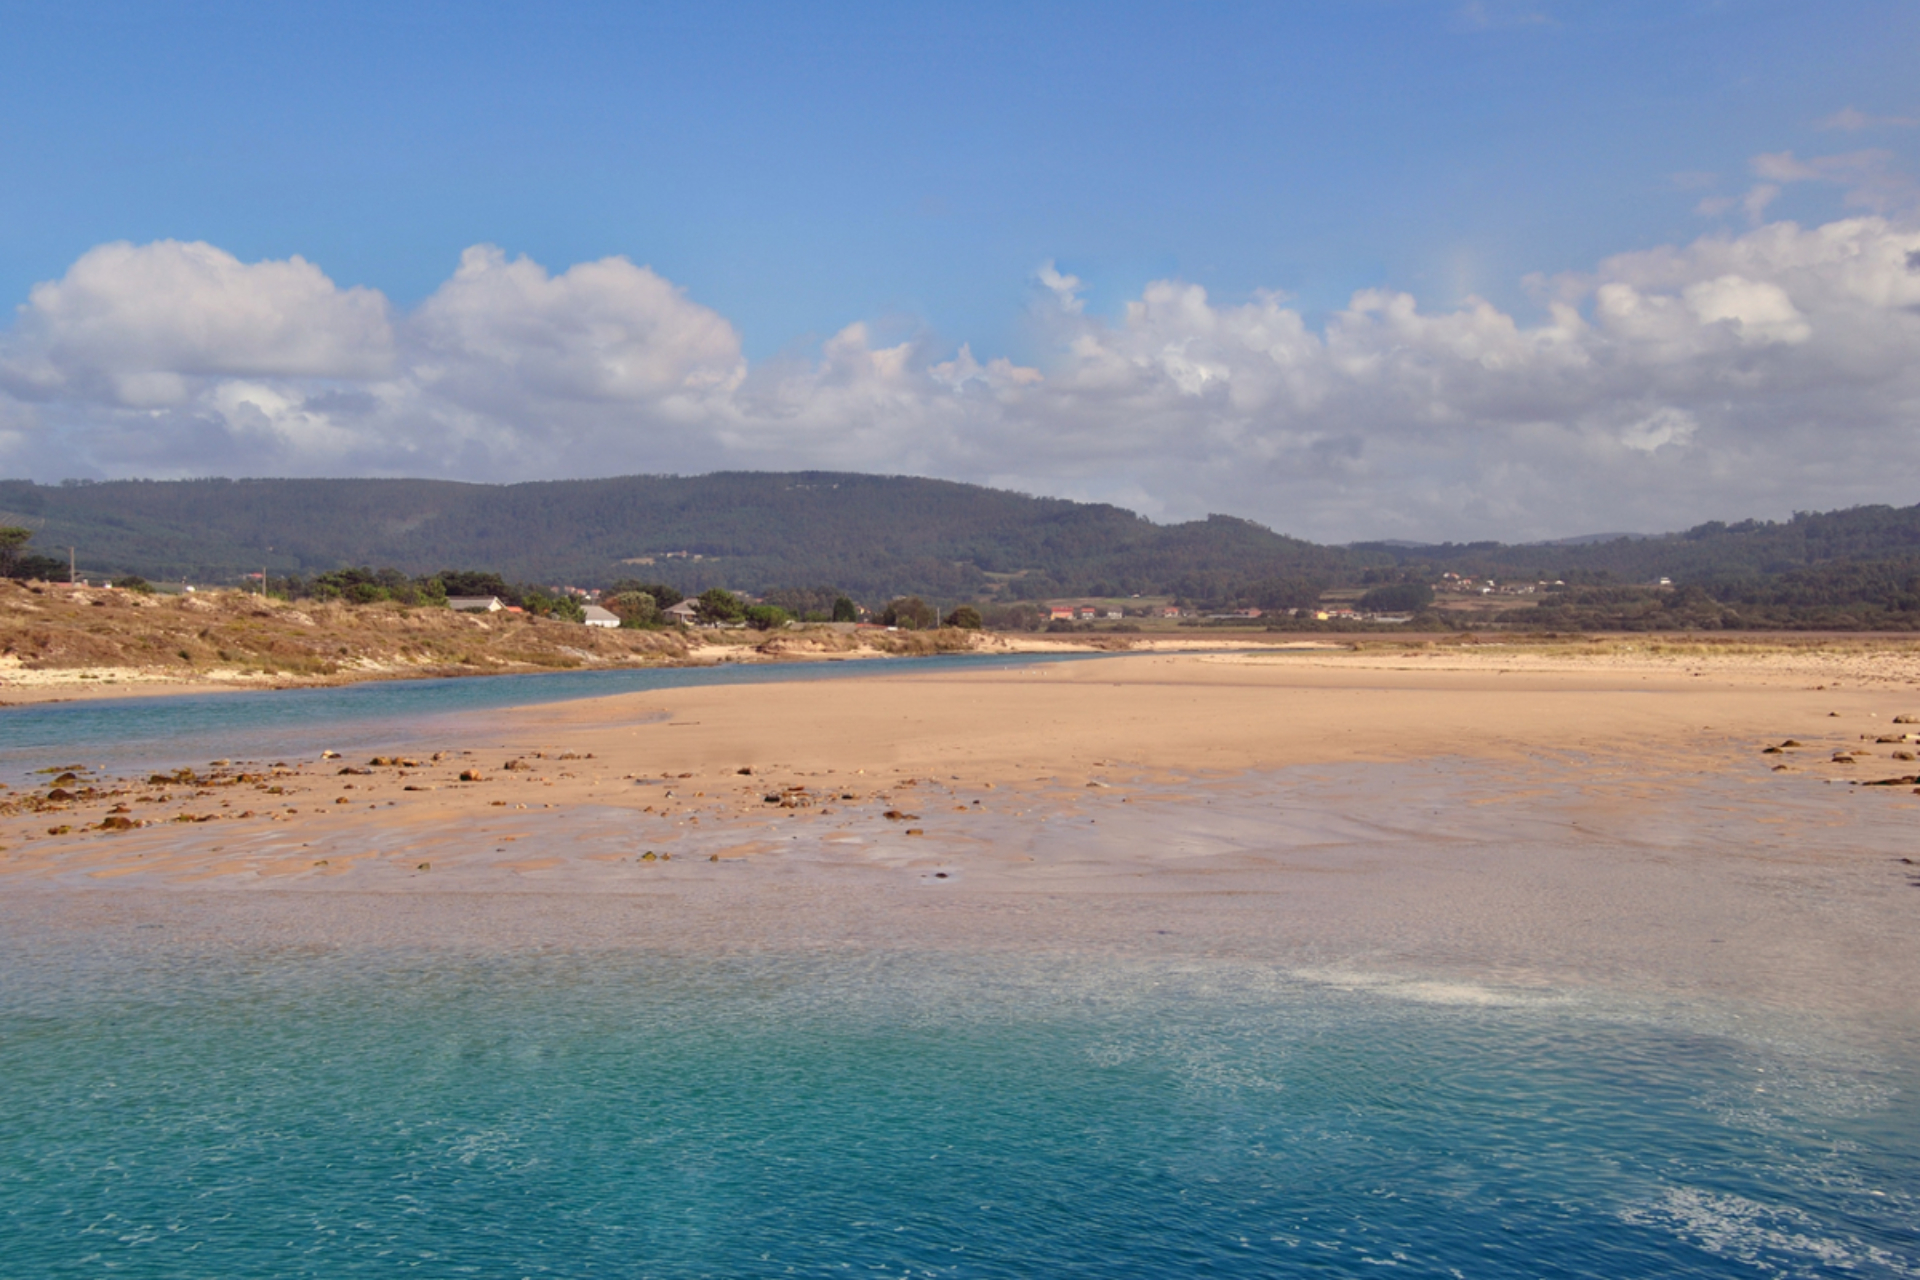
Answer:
(345, 1112)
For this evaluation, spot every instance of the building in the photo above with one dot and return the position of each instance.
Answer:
(475, 604)
(598, 617)
(686, 612)
(1060, 613)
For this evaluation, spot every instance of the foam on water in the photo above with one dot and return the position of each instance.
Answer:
(175, 1110)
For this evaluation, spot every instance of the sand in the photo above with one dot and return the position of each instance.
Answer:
(1535, 817)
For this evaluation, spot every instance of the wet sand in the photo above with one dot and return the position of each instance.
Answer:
(1520, 820)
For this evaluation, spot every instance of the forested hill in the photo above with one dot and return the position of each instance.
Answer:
(872, 535)
(1705, 555)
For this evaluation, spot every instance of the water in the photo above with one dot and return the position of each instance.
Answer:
(193, 728)
(260, 1112)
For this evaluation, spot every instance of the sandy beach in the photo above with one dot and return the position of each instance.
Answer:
(1531, 816)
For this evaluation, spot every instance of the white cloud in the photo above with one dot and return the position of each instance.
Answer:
(141, 325)
(1740, 374)
(1853, 120)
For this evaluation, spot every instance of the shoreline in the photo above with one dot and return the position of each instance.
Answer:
(21, 686)
(1605, 819)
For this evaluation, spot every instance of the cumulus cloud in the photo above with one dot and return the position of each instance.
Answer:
(1739, 374)
(142, 325)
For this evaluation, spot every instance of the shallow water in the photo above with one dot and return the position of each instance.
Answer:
(323, 1112)
(177, 729)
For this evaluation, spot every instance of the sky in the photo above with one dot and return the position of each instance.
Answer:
(1373, 269)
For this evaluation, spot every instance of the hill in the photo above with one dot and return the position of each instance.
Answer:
(874, 536)
(880, 536)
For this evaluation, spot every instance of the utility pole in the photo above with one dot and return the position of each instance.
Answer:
(73, 574)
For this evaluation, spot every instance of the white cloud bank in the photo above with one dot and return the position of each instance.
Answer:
(1749, 374)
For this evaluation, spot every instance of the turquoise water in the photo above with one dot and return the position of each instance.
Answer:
(193, 728)
(210, 1112)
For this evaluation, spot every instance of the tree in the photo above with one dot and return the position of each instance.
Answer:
(910, 613)
(1404, 597)
(765, 617)
(565, 606)
(634, 608)
(17, 562)
(845, 610)
(473, 582)
(716, 604)
(134, 582)
(966, 616)
(664, 596)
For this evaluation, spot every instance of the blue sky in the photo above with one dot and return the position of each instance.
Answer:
(796, 169)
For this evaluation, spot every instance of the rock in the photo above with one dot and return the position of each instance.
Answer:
(894, 815)
(472, 775)
(1903, 755)
(1770, 751)
(349, 769)
(516, 765)
(1791, 742)
(117, 822)
(66, 779)
(59, 793)
(916, 831)
(329, 755)
(745, 772)
(425, 866)
(1906, 719)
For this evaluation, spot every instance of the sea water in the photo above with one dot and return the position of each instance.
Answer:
(209, 1110)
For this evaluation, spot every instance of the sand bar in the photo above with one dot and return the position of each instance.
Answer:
(1541, 818)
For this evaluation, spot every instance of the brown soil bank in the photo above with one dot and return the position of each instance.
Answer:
(229, 634)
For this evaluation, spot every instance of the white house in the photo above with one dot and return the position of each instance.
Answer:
(475, 604)
(598, 617)
(687, 611)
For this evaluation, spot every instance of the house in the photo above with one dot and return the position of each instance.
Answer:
(1172, 611)
(686, 612)
(475, 604)
(598, 617)
(1086, 613)
(1060, 613)
(1115, 613)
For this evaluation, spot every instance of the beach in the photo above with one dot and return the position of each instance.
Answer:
(1556, 816)
(1371, 956)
